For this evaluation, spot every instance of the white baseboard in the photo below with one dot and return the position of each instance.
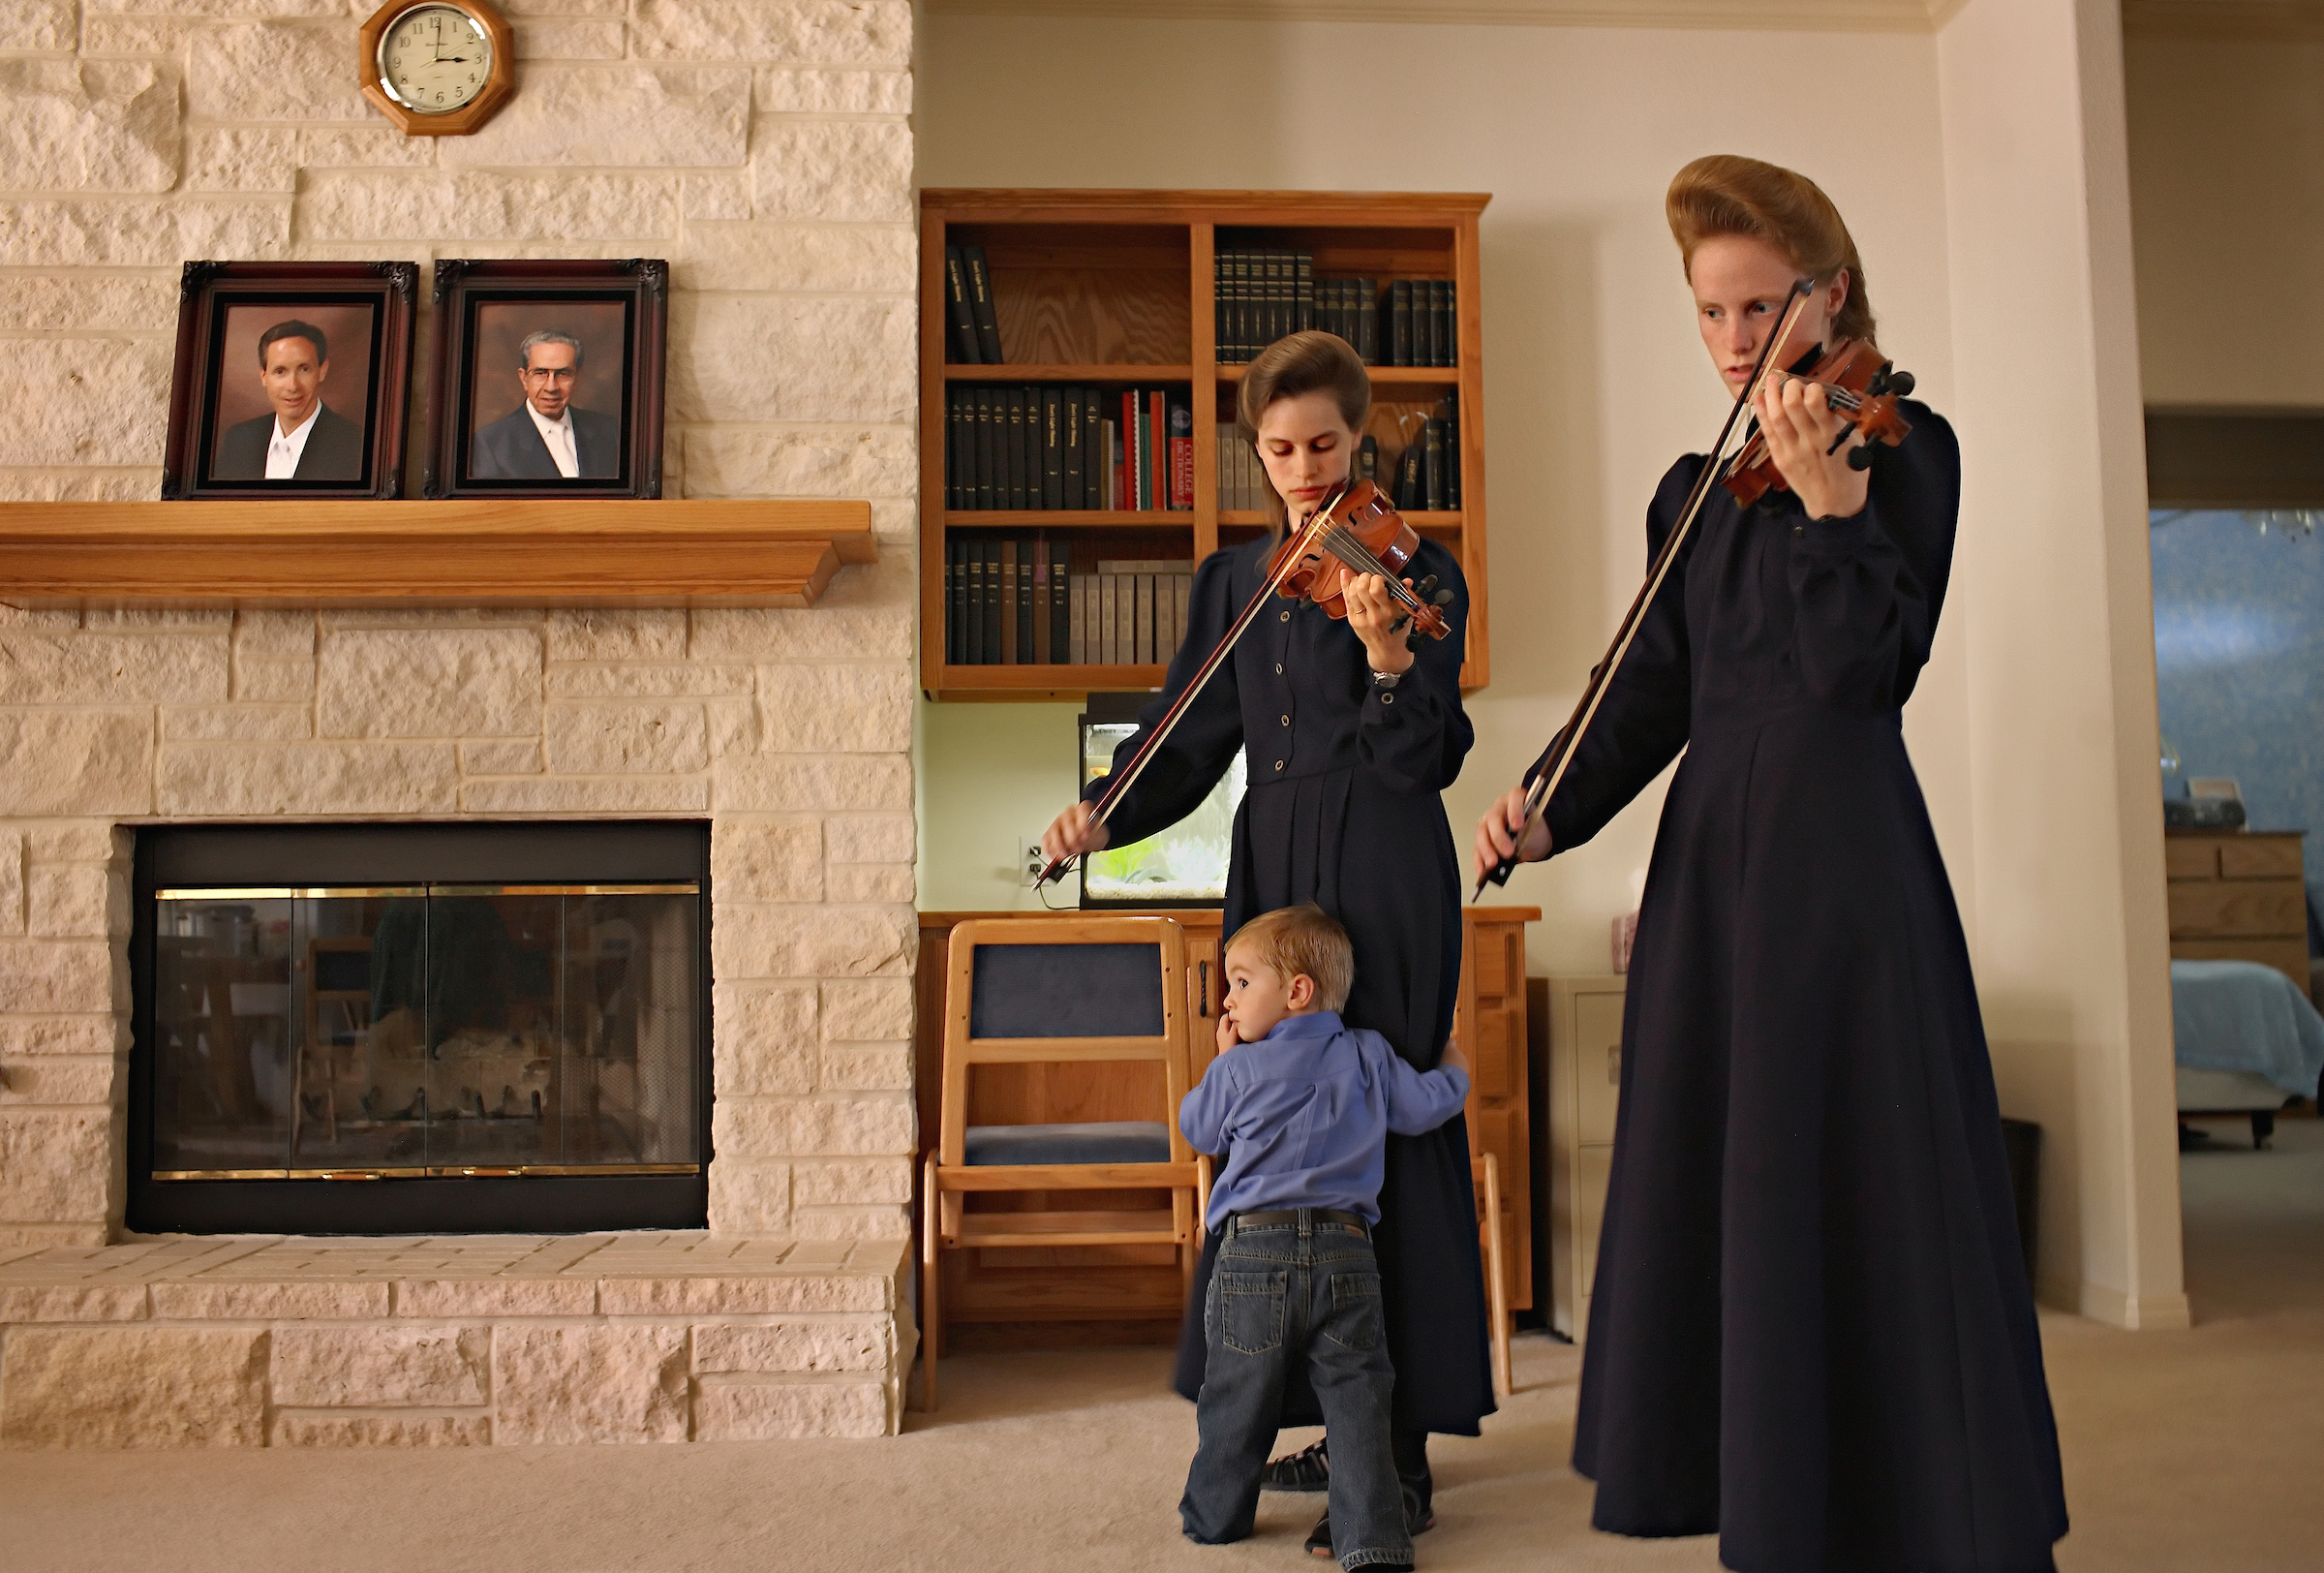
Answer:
(2136, 1313)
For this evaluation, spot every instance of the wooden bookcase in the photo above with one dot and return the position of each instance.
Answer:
(1114, 288)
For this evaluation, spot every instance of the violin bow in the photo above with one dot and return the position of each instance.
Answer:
(1315, 524)
(1560, 753)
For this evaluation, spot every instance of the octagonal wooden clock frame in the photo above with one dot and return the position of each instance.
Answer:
(499, 85)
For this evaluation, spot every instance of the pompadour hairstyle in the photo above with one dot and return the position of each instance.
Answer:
(1728, 193)
(293, 329)
(1302, 938)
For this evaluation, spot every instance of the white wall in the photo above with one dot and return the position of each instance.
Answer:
(2054, 584)
(1594, 380)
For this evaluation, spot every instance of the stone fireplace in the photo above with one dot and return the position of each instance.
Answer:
(762, 147)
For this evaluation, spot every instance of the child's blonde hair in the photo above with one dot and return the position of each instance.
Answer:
(1302, 938)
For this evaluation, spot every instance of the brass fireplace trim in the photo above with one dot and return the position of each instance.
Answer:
(439, 1172)
(347, 892)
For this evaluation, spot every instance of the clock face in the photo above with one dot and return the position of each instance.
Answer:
(434, 59)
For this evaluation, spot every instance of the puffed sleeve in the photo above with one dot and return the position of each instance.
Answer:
(1867, 588)
(1641, 722)
(1416, 734)
(1202, 746)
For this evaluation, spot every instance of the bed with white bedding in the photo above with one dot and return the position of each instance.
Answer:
(2245, 1038)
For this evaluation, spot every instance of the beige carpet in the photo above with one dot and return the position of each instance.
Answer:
(2199, 1450)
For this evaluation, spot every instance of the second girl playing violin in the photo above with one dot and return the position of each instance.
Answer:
(1811, 1329)
(1349, 737)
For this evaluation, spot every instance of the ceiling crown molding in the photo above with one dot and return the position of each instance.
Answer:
(1787, 15)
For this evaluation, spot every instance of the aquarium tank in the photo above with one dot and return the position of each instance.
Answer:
(1183, 866)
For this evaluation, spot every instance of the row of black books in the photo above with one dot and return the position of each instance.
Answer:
(1262, 296)
(1015, 602)
(1054, 446)
(968, 307)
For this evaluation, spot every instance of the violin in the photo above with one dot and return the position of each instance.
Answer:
(1857, 383)
(1860, 384)
(1358, 532)
(1354, 532)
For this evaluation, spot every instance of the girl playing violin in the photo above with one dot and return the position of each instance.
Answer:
(1349, 737)
(1810, 1329)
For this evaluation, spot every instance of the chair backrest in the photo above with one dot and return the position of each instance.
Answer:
(1061, 991)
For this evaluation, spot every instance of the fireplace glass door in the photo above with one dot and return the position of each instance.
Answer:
(425, 1031)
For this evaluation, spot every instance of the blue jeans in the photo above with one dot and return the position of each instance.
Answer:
(1306, 1291)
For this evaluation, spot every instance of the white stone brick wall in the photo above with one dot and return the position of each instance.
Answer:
(763, 147)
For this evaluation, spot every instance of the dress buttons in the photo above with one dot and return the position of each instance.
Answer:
(1799, 529)
(1286, 720)
(1286, 617)
(1387, 698)
(1278, 764)
(1278, 668)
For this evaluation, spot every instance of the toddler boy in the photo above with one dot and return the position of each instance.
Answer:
(1302, 1106)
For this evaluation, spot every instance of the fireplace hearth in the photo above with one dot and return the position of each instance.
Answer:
(420, 1028)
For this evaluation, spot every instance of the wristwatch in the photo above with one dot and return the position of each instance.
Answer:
(1386, 680)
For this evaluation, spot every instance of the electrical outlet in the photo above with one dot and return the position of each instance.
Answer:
(1031, 860)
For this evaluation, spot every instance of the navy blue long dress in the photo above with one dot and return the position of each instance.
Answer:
(1342, 810)
(1810, 1329)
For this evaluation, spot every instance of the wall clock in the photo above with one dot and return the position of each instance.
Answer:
(436, 68)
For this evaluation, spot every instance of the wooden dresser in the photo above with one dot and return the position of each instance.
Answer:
(2239, 895)
(1584, 1074)
(1140, 1283)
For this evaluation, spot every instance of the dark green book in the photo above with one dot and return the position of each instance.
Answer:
(1399, 322)
(996, 631)
(1302, 291)
(1060, 604)
(1070, 439)
(980, 305)
(1053, 446)
(957, 312)
(1027, 645)
(1013, 449)
(1433, 466)
(972, 625)
(986, 493)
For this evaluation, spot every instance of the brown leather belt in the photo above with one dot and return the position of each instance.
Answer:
(1320, 1215)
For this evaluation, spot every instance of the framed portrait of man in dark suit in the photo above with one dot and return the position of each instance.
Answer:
(290, 380)
(549, 378)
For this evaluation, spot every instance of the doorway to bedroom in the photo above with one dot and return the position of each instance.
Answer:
(2239, 648)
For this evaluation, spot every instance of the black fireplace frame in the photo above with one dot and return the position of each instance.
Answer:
(468, 852)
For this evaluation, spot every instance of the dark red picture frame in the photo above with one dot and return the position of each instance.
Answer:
(465, 287)
(207, 290)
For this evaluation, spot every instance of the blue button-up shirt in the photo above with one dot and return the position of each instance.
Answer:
(1303, 1116)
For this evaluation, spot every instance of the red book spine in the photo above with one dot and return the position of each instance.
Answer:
(1182, 472)
(1127, 489)
(1157, 436)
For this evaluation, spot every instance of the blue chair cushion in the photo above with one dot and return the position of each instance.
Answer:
(1109, 1141)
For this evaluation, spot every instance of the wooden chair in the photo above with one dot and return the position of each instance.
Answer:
(1070, 990)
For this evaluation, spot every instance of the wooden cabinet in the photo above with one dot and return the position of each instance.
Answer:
(1116, 291)
(1585, 1088)
(1119, 1284)
(2239, 895)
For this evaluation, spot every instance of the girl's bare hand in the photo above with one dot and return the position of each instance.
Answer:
(1372, 612)
(1502, 829)
(1076, 830)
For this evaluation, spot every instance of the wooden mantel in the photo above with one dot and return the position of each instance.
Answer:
(520, 552)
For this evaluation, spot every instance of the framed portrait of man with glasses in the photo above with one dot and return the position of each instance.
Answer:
(548, 379)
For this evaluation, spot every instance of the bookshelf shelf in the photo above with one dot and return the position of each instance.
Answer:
(953, 372)
(1436, 377)
(1055, 518)
(1117, 288)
